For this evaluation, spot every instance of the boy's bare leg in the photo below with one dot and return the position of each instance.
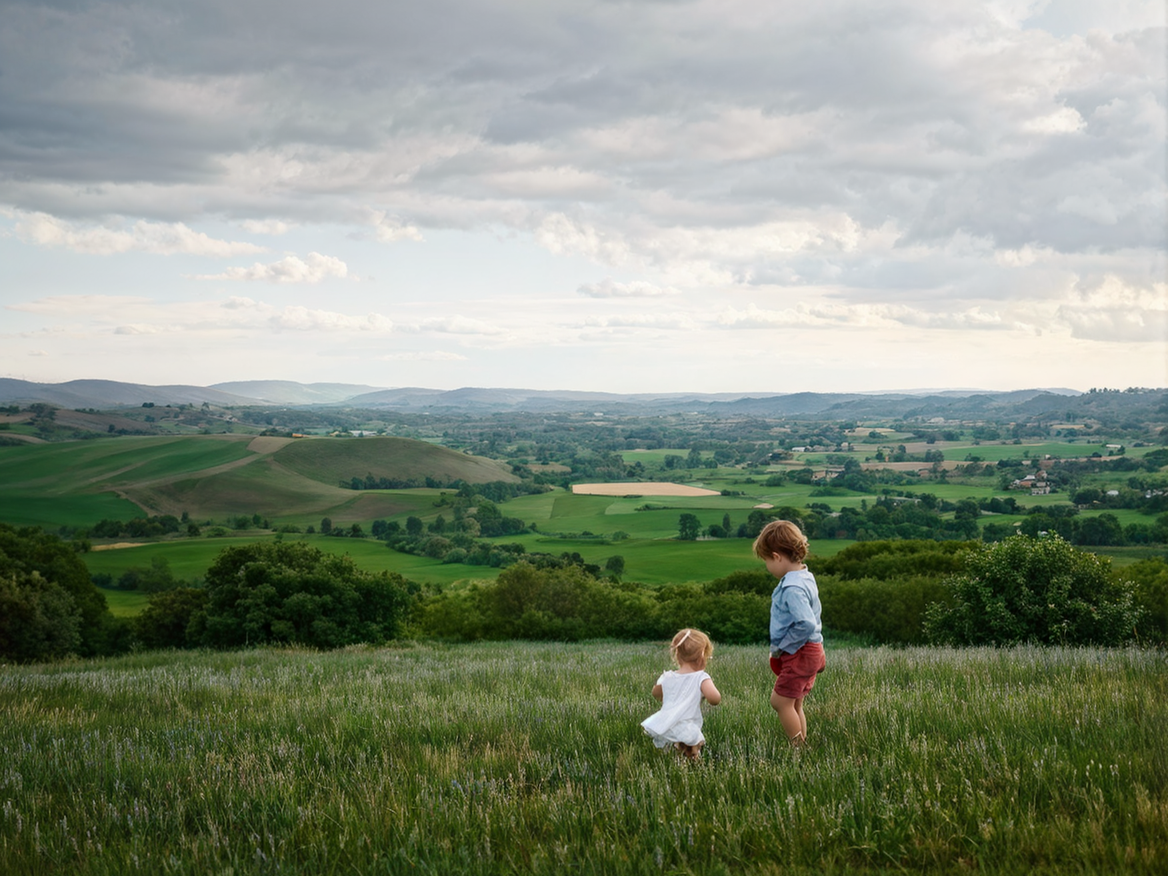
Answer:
(791, 717)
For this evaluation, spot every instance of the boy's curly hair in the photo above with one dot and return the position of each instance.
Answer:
(691, 646)
(781, 537)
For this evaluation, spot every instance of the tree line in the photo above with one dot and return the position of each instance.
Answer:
(1023, 589)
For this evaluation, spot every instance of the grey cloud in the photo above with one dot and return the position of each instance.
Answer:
(633, 118)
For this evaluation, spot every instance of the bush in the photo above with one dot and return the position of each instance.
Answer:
(1039, 590)
(886, 560)
(49, 585)
(39, 620)
(730, 617)
(569, 604)
(164, 621)
(1149, 579)
(292, 592)
(889, 612)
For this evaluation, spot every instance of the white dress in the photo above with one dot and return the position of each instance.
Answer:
(680, 717)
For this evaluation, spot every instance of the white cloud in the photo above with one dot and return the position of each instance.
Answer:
(390, 229)
(455, 325)
(1114, 310)
(676, 321)
(72, 305)
(609, 288)
(1063, 121)
(860, 316)
(274, 227)
(422, 356)
(119, 237)
(290, 269)
(304, 319)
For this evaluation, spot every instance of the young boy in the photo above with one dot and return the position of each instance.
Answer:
(796, 625)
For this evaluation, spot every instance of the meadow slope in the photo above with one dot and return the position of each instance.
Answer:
(516, 757)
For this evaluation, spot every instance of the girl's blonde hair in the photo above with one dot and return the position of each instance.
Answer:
(691, 646)
(781, 537)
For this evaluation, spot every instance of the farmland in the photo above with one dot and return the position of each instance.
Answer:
(515, 757)
(242, 485)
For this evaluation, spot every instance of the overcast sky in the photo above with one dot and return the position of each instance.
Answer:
(650, 195)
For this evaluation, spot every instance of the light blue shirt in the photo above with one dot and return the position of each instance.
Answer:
(795, 613)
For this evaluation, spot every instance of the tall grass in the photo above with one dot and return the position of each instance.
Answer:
(529, 758)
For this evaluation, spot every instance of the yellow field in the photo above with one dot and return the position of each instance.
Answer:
(640, 489)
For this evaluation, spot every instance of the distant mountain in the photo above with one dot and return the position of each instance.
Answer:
(946, 404)
(112, 394)
(288, 392)
(480, 399)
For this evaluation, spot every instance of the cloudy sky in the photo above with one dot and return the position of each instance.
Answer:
(618, 195)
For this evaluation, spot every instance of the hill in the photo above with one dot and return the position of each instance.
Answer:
(332, 461)
(288, 392)
(218, 476)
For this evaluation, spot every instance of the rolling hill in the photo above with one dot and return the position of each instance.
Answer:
(217, 476)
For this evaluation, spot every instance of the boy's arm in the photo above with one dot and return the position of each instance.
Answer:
(710, 692)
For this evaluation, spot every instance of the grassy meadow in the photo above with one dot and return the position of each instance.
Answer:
(528, 758)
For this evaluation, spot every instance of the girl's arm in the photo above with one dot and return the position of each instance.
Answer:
(657, 691)
(710, 692)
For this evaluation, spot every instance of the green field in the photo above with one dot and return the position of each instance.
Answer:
(189, 559)
(216, 478)
(124, 603)
(332, 461)
(515, 757)
(78, 483)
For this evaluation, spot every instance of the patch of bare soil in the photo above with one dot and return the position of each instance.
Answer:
(641, 489)
(267, 444)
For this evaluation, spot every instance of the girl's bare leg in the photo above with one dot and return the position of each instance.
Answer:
(791, 717)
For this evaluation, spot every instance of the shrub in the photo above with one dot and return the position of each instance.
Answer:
(730, 617)
(569, 604)
(1039, 590)
(164, 621)
(885, 560)
(39, 620)
(890, 612)
(292, 592)
(1149, 579)
(48, 584)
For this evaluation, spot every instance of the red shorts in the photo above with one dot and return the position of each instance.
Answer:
(796, 672)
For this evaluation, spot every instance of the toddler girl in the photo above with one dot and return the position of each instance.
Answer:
(681, 691)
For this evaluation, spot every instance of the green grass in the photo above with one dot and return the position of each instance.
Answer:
(331, 461)
(54, 511)
(189, 559)
(1129, 555)
(994, 451)
(124, 603)
(528, 758)
(106, 463)
(655, 456)
(78, 483)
